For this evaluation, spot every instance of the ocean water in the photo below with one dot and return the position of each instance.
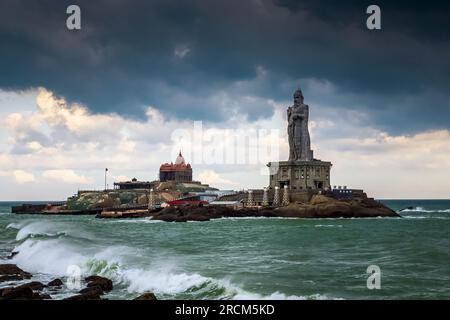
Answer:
(258, 258)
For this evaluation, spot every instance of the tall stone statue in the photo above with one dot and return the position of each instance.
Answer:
(302, 171)
(298, 133)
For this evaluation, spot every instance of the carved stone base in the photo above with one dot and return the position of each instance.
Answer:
(300, 175)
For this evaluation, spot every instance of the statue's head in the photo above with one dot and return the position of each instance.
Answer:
(298, 97)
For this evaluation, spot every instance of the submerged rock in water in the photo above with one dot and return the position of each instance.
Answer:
(16, 293)
(11, 272)
(85, 296)
(41, 296)
(55, 283)
(146, 296)
(34, 285)
(96, 281)
(96, 287)
(92, 290)
(25, 291)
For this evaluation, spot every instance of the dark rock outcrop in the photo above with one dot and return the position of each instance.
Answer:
(16, 293)
(84, 296)
(96, 286)
(41, 296)
(27, 291)
(103, 283)
(92, 291)
(55, 283)
(320, 206)
(146, 296)
(11, 272)
(88, 293)
(205, 213)
(34, 285)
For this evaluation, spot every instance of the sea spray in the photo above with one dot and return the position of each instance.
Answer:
(54, 256)
(51, 256)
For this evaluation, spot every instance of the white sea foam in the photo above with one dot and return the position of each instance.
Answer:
(280, 296)
(426, 217)
(328, 225)
(47, 228)
(421, 209)
(143, 220)
(288, 261)
(140, 280)
(171, 284)
(50, 257)
(15, 225)
(39, 228)
(255, 218)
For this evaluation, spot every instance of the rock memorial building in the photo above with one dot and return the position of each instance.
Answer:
(177, 172)
(301, 171)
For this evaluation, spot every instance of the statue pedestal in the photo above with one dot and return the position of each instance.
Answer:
(300, 175)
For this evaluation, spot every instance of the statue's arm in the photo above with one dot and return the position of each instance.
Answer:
(289, 115)
(303, 114)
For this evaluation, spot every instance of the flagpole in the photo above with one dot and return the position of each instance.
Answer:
(106, 171)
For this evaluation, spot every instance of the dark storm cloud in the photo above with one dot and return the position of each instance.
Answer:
(181, 56)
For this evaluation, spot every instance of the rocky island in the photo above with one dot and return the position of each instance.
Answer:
(319, 207)
(305, 182)
(298, 188)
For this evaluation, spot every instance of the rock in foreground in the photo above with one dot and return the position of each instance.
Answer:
(96, 286)
(103, 283)
(27, 291)
(55, 283)
(11, 272)
(146, 296)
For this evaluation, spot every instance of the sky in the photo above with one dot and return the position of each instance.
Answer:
(130, 89)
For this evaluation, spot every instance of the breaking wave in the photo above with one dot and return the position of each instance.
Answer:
(37, 229)
(48, 254)
(183, 285)
(422, 213)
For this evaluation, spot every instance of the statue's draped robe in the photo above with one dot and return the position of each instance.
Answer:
(298, 133)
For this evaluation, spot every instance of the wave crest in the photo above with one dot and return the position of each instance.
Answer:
(47, 251)
(421, 209)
